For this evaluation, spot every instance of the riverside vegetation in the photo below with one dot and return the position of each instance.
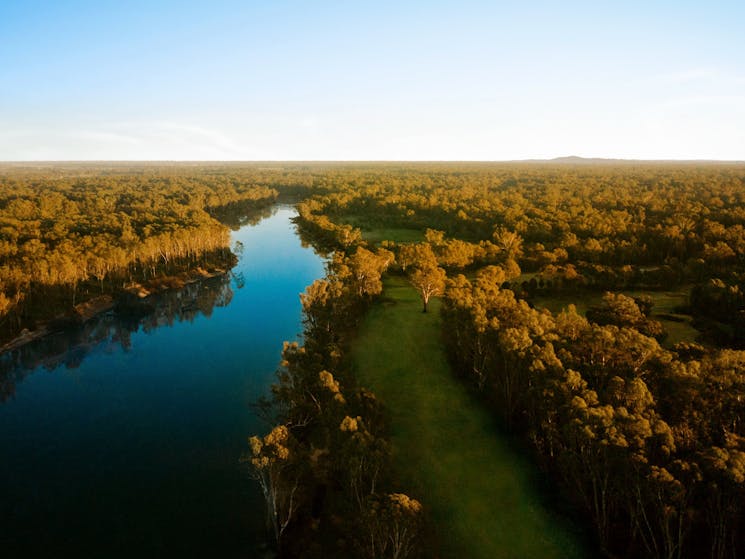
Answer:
(644, 439)
(71, 233)
(641, 435)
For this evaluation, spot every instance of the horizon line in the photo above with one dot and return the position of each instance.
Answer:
(561, 159)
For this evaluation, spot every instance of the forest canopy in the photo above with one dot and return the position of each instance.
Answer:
(69, 230)
(644, 435)
(645, 440)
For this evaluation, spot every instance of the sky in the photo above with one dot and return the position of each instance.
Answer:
(359, 80)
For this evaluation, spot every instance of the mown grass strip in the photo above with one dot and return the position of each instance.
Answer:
(449, 454)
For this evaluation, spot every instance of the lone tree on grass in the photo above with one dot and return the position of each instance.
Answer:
(428, 280)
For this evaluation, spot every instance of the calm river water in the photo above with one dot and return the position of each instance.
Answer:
(123, 439)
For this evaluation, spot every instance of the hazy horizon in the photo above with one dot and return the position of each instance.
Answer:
(423, 81)
(560, 159)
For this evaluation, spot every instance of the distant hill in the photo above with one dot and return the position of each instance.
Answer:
(578, 159)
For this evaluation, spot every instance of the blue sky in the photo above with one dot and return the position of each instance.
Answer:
(434, 80)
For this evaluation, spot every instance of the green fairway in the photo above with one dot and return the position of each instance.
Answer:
(448, 452)
(679, 327)
(397, 234)
(375, 232)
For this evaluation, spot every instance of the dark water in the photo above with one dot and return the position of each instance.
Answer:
(123, 439)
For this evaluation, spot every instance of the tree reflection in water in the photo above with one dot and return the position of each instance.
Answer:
(69, 347)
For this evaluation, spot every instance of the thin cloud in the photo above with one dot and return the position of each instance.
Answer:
(138, 139)
(687, 76)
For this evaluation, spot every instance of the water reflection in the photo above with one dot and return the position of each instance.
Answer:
(134, 450)
(70, 347)
(239, 215)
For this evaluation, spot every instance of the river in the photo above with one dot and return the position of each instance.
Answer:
(123, 439)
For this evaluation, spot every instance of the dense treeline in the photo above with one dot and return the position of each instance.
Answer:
(604, 228)
(67, 235)
(647, 215)
(324, 466)
(614, 216)
(649, 442)
(720, 307)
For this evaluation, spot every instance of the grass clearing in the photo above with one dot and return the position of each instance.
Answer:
(480, 494)
(396, 234)
(665, 302)
(376, 233)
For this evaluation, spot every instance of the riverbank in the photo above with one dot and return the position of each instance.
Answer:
(128, 431)
(479, 493)
(95, 306)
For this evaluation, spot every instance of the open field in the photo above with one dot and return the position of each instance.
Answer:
(376, 233)
(665, 302)
(478, 491)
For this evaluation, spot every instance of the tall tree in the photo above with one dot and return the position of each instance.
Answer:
(428, 281)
